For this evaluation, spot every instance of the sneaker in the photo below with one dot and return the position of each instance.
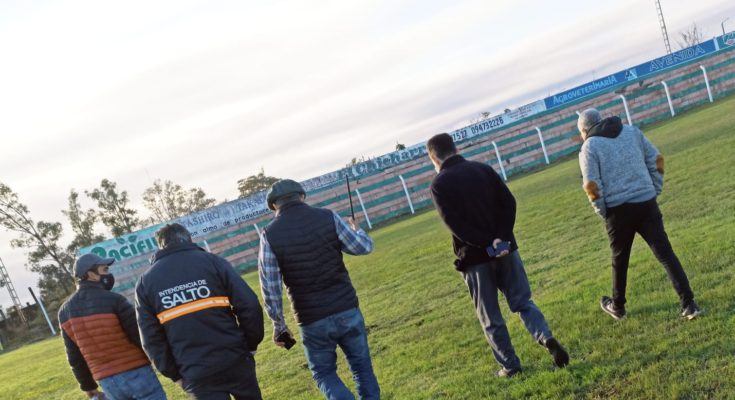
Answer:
(561, 357)
(508, 372)
(608, 306)
(691, 311)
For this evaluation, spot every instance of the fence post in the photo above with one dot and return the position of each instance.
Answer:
(627, 112)
(364, 211)
(706, 83)
(500, 161)
(257, 229)
(668, 97)
(408, 197)
(543, 146)
(43, 309)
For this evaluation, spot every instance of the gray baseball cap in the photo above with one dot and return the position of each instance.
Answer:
(282, 188)
(89, 261)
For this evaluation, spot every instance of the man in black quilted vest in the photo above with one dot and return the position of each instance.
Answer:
(302, 248)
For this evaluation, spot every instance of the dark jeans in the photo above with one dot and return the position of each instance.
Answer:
(321, 338)
(239, 381)
(507, 275)
(137, 384)
(623, 222)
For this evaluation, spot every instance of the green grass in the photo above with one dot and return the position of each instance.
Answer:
(427, 344)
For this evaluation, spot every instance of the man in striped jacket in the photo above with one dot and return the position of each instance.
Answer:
(101, 337)
(199, 321)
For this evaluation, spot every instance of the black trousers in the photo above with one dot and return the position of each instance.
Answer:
(623, 222)
(238, 380)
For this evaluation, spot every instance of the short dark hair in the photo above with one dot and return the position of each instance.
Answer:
(85, 276)
(172, 234)
(441, 146)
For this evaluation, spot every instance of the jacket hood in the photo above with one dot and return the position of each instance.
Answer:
(608, 127)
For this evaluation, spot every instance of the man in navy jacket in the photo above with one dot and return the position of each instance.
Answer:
(200, 323)
(480, 212)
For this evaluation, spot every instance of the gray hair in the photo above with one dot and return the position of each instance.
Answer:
(587, 119)
(172, 234)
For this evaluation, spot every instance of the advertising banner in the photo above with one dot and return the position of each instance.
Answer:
(634, 73)
(726, 40)
(497, 121)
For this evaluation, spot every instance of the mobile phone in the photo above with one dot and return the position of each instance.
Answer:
(494, 252)
(286, 339)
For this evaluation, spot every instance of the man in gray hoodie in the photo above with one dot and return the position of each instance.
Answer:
(622, 175)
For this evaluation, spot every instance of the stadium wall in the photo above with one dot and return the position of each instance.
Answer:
(517, 142)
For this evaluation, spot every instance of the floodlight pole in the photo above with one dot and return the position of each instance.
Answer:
(5, 279)
(662, 25)
(722, 24)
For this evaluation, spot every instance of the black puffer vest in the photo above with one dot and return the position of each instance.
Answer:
(304, 240)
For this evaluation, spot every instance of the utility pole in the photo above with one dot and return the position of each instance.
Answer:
(5, 280)
(662, 23)
(722, 24)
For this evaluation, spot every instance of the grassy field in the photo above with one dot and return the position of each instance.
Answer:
(425, 339)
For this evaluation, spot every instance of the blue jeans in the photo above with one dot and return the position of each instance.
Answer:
(238, 380)
(507, 275)
(136, 384)
(345, 329)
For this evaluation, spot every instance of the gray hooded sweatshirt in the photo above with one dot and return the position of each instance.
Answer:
(619, 165)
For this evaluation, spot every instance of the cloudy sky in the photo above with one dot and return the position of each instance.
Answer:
(205, 93)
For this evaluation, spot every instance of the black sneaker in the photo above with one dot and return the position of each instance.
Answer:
(561, 357)
(508, 373)
(608, 306)
(691, 311)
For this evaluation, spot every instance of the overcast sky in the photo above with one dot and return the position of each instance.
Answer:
(205, 93)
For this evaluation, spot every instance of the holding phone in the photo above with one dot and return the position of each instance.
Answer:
(287, 340)
(494, 252)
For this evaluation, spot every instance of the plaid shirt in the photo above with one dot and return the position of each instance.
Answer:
(353, 242)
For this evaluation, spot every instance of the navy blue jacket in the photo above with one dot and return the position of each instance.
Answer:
(196, 315)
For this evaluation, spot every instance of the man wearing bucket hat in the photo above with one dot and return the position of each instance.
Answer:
(101, 337)
(302, 248)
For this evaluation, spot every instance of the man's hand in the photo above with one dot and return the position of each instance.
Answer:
(277, 334)
(495, 246)
(353, 223)
(95, 394)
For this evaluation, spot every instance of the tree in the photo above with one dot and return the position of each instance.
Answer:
(82, 224)
(167, 201)
(255, 183)
(114, 210)
(691, 36)
(480, 117)
(41, 239)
